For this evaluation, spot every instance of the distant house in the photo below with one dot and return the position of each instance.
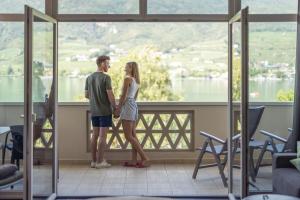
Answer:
(80, 58)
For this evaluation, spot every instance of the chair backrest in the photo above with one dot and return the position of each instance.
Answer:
(288, 147)
(17, 136)
(16, 130)
(254, 116)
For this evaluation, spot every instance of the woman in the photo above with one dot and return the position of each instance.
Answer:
(129, 114)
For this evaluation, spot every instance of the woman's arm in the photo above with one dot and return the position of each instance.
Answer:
(125, 87)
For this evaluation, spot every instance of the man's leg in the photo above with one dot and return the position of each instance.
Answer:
(94, 143)
(102, 143)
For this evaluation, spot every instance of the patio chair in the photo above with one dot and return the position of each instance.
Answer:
(254, 117)
(9, 176)
(16, 145)
(220, 150)
(217, 151)
(273, 144)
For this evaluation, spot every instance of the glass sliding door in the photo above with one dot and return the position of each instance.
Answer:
(271, 107)
(41, 106)
(11, 106)
(237, 110)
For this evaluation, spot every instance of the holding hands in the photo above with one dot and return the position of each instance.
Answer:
(116, 112)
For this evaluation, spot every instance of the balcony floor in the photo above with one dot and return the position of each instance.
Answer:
(157, 180)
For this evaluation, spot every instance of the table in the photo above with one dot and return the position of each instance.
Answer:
(270, 197)
(4, 130)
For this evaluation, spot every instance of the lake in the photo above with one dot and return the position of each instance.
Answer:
(191, 89)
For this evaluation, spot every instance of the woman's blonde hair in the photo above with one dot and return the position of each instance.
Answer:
(134, 71)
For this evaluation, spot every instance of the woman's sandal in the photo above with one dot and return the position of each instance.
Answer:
(128, 164)
(141, 165)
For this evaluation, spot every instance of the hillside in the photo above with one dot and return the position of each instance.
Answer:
(187, 45)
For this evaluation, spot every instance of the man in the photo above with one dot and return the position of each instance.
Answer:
(102, 104)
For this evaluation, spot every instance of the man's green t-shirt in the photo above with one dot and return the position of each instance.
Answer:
(96, 85)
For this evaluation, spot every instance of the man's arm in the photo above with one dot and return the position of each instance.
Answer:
(86, 91)
(110, 93)
(111, 98)
(86, 94)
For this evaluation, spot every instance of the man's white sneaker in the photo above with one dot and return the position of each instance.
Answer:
(103, 164)
(93, 164)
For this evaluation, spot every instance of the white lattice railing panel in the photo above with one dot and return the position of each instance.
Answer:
(156, 130)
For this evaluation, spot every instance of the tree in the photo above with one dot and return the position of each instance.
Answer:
(10, 70)
(236, 79)
(38, 68)
(155, 81)
(285, 95)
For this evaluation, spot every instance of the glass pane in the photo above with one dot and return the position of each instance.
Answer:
(271, 6)
(11, 62)
(98, 7)
(17, 6)
(187, 7)
(272, 48)
(12, 98)
(272, 58)
(42, 97)
(236, 113)
(169, 63)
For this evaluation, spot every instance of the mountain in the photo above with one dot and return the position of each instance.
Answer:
(191, 44)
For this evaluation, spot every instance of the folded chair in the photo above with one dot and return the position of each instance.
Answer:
(15, 146)
(273, 144)
(217, 151)
(220, 150)
(254, 117)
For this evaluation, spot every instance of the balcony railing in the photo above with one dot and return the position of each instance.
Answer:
(160, 130)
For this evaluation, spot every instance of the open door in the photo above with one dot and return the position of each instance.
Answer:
(238, 104)
(40, 178)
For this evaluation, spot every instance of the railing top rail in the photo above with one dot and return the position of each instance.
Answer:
(163, 103)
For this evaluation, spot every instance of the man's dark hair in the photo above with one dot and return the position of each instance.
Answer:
(102, 59)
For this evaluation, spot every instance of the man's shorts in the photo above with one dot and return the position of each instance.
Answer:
(102, 121)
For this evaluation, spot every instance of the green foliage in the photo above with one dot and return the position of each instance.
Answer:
(285, 95)
(38, 68)
(236, 79)
(280, 74)
(155, 81)
(10, 70)
(254, 71)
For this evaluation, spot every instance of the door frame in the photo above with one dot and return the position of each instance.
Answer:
(240, 17)
(30, 15)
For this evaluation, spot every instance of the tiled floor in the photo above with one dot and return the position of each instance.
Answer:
(158, 180)
(146, 198)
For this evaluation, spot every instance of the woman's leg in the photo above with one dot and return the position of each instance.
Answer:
(134, 152)
(127, 127)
